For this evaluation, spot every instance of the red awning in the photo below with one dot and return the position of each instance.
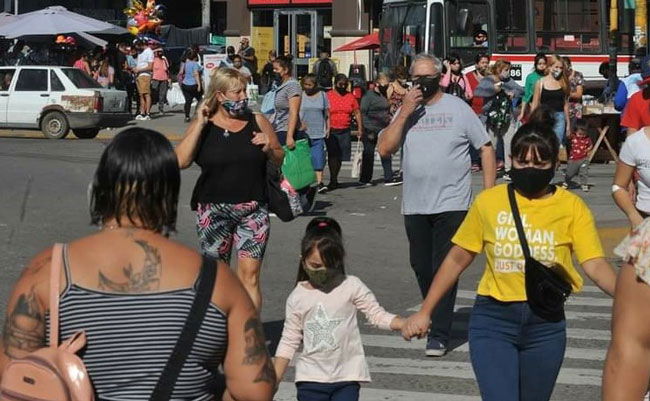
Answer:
(367, 42)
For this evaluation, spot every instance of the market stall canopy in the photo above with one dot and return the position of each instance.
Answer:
(53, 21)
(367, 42)
(6, 18)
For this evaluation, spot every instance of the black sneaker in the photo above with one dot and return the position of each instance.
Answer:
(187, 119)
(332, 186)
(321, 188)
(393, 182)
(310, 197)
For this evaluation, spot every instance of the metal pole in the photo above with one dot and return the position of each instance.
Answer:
(15, 7)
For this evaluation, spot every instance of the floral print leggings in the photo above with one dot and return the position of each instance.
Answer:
(246, 225)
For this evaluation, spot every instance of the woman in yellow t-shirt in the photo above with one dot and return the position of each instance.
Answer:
(517, 355)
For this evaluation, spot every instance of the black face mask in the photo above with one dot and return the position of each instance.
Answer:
(342, 90)
(311, 91)
(383, 89)
(276, 78)
(531, 181)
(429, 86)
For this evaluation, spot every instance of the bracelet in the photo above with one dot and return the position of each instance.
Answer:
(616, 188)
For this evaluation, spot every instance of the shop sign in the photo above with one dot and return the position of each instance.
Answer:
(210, 63)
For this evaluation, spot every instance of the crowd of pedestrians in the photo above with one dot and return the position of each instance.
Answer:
(445, 125)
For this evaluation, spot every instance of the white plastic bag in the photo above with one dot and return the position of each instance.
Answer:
(356, 161)
(175, 95)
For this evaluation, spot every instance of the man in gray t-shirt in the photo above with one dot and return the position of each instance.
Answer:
(437, 130)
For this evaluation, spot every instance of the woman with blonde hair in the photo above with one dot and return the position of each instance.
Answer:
(498, 90)
(553, 91)
(232, 145)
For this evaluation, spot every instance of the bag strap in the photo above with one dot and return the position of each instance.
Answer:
(518, 223)
(207, 278)
(55, 287)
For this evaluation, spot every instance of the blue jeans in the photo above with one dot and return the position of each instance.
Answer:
(317, 147)
(559, 127)
(341, 391)
(516, 355)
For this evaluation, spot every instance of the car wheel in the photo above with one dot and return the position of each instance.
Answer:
(54, 125)
(86, 133)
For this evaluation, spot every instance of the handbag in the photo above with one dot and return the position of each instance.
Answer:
(283, 199)
(546, 290)
(297, 167)
(356, 161)
(51, 373)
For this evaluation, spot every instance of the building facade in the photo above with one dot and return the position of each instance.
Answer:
(303, 29)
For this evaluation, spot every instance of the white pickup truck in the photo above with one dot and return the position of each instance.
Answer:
(57, 99)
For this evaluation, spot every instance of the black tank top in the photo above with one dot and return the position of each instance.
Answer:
(233, 170)
(553, 98)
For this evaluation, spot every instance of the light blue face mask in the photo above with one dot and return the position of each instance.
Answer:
(236, 108)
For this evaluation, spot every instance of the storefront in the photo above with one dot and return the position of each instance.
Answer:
(302, 28)
(295, 29)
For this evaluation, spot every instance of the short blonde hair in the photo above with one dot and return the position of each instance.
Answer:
(224, 80)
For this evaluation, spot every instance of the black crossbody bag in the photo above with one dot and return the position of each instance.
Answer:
(546, 290)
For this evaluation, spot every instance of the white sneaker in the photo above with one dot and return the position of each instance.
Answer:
(146, 117)
(506, 177)
(139, 117)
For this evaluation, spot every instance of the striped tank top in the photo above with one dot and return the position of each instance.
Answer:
(131, 336)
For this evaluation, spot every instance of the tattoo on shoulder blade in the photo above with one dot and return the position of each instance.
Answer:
(256, 352)
(145, 280)
(24, 329)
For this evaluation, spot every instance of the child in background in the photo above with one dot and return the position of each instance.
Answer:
(321, 312)
(578, 163)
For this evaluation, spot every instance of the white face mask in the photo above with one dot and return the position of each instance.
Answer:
(557, 74)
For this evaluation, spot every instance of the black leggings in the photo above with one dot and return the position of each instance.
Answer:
(189, 93)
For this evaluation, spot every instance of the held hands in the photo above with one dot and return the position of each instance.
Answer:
(416, 325)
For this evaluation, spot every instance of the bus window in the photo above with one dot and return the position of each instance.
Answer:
(568, 26)
(402, 34)
(463, 19)
(436, 35)
(512, 33)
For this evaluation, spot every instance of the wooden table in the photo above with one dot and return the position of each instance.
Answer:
(603, 122)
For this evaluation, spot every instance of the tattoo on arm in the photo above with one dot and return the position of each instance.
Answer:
(24, 329)
(37, 265)
(256, 351)
(145, 280)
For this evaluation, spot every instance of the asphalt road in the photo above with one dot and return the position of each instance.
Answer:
(44, 201)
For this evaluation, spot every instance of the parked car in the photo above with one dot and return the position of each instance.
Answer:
(58, 99)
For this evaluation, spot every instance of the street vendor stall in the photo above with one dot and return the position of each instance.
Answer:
(607, 124)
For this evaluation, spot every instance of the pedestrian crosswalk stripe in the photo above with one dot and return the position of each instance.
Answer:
(287, 392)
(397, 342)
(463, 370)
(577, 300)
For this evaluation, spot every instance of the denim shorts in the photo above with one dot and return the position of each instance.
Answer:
(317, 146)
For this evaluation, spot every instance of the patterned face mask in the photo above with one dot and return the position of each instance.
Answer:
(236, 108)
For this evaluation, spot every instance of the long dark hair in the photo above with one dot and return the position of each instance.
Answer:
(285, 61)
(453, 57)
(537, 134)
(324, 235)
(137, 181)
(538, 56)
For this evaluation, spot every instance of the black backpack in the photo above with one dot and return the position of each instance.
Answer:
(456, 89)
(325, 73)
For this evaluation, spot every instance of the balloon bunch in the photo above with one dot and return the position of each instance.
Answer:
(64, 43)
(69, 40)
(144, 20)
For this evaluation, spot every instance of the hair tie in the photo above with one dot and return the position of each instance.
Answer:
(322, 224)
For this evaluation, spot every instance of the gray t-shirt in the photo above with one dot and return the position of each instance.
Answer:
(436, 166)
(287, 90)
(313, 110)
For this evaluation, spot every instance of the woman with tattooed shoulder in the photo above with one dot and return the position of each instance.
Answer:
(130, 288)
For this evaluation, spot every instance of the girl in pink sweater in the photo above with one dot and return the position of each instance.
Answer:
(321, 313)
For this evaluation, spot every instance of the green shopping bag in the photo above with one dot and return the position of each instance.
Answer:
(297, 167)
